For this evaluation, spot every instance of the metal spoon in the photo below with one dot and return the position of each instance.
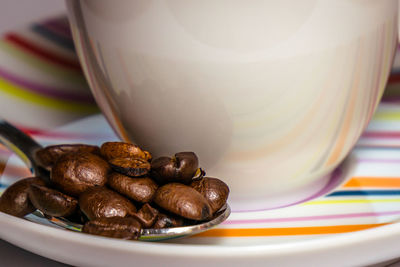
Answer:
(25, 147)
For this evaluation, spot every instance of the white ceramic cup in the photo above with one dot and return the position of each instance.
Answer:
(271, 95)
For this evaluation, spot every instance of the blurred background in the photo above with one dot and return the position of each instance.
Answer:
(16, 14)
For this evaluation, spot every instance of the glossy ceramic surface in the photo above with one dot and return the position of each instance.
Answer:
(272, 96)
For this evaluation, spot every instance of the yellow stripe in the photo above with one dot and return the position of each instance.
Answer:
(387, 115)
(27, 96)
(348, 201)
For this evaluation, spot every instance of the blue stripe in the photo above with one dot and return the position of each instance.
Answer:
(4, 185)
(365, 193)
(50, 35)
(395, 70)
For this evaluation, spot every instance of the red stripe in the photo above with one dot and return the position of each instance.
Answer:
(394, 78)
(44, 133)
(38, 51)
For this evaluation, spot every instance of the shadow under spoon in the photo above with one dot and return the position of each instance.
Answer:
(25, 147)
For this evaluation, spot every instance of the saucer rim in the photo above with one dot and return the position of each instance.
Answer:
(319, 247)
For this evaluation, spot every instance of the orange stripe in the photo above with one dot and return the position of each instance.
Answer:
(387, 182)
(317, 230)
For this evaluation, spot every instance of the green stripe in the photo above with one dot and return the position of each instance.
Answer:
(389, 91)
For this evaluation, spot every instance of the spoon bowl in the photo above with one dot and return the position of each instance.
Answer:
(25, 147)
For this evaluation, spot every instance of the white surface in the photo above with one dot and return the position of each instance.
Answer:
(15, 13)
(250, 84)
(353, 249)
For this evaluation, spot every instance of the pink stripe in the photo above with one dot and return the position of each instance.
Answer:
(381, 134)
(45, 90)
(386, 161)
(5, 152)
(314, 218)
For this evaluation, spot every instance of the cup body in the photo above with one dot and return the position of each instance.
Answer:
(271, 95)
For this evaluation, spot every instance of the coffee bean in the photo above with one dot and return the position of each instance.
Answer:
(138, 189)
(15, 200)
(82, 171)
(180, 168)
(51, 202)
(74, 173)
(133, 167)
(101, 202)
(111, 150)
(46, 157)
(183, 200)
(214, 190)
(147, 215)
(167, 221)
(117, 227)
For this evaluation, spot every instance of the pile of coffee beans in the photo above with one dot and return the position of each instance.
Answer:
(117, 189)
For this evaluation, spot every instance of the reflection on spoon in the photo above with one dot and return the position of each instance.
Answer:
(25, 147)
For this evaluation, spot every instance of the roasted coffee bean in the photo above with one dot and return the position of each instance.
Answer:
(51, 202)
(74, 173)
(101, 202)
(147, 215)
(46, 157)
(15, 200)
(181, 168)
(139, 189)
(133, 167)
(167, 221)
(111, 150)
(183, 200)
(82, 171)
(117, 227)
(214, 190)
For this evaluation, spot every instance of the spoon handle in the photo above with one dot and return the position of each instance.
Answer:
(21, 144)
